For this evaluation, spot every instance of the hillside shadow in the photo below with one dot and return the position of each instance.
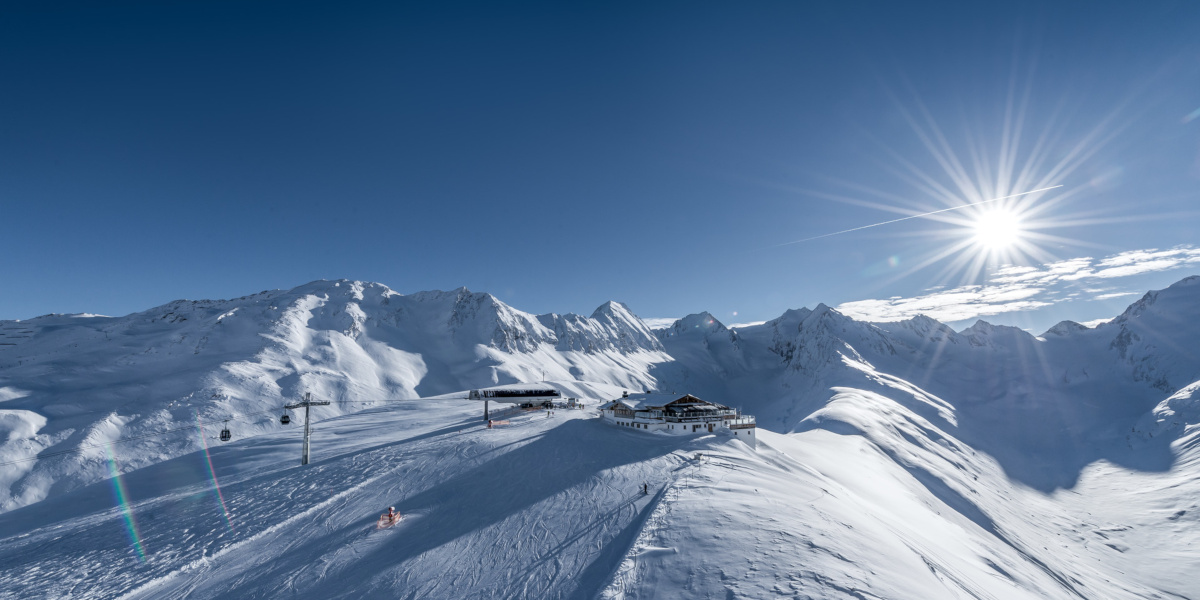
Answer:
(1047, 410)
(562, 458)
(1044, 448)
(461, 426)
(145, 483)
(1020, 408)
(188, 471)
(1055, 460)
(1045, 434)
(596, 575)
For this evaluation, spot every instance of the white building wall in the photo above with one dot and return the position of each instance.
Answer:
(643, 424)
(747, 435)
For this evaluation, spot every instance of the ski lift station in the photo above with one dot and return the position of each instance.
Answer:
(678, 414)
(524, 395)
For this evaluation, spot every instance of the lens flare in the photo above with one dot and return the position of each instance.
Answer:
(121, 497)
(212, 474)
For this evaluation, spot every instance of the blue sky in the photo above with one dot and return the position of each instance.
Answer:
(558, 156)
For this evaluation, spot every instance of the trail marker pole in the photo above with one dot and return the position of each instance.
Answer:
(308, 401)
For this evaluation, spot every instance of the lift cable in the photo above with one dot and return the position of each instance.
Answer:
(162, 433)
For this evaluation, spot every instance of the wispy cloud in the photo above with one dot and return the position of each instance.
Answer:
(1136, 262)
(958, 304)
(1021, 288)
(1114, 295)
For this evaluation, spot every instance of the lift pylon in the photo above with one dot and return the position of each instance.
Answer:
(308, 401)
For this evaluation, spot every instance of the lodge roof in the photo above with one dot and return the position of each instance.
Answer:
(656, 401)
(523, 387)
(514, 392)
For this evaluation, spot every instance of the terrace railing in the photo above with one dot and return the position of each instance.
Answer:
(742, 422)
(699, 416)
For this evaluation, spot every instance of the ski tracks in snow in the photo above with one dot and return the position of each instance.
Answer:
(625, 579)
(205, 566)
(548, 508)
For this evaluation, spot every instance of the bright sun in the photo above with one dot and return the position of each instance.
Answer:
(997, 229)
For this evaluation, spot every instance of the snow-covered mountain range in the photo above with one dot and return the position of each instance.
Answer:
(912, 426)
(71, 381)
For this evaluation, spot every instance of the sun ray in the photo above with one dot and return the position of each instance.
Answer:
(970, 186)
(916, 216)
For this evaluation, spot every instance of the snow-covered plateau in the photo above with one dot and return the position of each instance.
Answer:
(894, 460)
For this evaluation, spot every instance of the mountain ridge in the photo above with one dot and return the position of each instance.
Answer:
(899, 459)
(353, 341)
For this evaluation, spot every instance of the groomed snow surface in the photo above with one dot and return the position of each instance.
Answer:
(551, 507)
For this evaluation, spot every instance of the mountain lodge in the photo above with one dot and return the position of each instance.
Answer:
(677, 414)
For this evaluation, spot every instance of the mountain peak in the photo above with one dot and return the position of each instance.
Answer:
(1189, 281)
(1183, 294)
(831, 316)
(789, 321)
(612, 326)
(701, 323)
(1065, 328)
(980, 326)
(702, 320)
(457, 294)
(612, 308)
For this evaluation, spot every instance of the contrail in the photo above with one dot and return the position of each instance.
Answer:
(916, 216)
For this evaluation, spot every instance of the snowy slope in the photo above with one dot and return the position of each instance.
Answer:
(1044, 407)
(909, 460)
(871, 501)
(883, 505)
(73, 382)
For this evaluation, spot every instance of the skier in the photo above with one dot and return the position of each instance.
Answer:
(387, 520)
